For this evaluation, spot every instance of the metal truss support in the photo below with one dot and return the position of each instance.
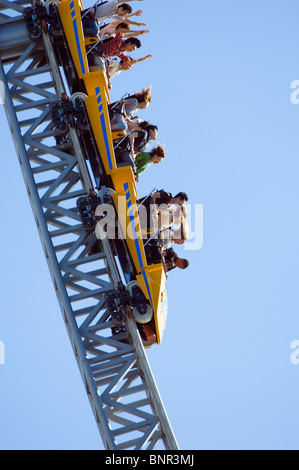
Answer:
(118, 380)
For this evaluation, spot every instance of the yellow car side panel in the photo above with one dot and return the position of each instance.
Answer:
(95, 80)
(99, 120)
(70, 16)
(122, 176)
(125, 203)
(155, 279)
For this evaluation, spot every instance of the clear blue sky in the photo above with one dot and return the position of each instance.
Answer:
(221, 78)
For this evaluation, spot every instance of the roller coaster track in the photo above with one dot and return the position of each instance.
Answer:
(119, 383)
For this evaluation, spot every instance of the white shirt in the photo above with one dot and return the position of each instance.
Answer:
(107, 10)
(108, 30)
(113, 67)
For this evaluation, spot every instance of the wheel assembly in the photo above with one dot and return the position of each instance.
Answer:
(62, 129)
(36, 20)
(79, 95)
(77, 100)
(142, 312)
(87, 206)
(145, 316)
(119, 318)
(55, 26)
(106, 195)
(33, 26)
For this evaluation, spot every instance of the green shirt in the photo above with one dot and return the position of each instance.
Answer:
(142, 162)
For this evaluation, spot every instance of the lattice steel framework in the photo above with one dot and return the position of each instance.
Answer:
(115, 370)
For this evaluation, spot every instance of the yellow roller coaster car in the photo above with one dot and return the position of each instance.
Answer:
(150, 278)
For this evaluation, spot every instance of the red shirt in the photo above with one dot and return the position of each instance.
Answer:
(113, 48)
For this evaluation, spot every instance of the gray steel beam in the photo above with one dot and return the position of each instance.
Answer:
(119, 383)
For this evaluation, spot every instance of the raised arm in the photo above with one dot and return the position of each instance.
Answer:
(134, 34)
(137, 13)
(133, 136)
(132, 125)
(134, 23)
(135, 61)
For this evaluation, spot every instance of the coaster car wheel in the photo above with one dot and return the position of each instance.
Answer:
(82, 202)
(143, 313)
(28, 12)
(77, 100)
(62, 128)
(118, 319)
(52, 3)
(35, 33)
(106, 195)
(78, 95)
(55, 32)
(143, 317)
